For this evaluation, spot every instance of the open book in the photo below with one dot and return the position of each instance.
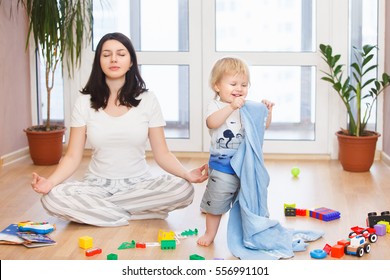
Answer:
(12, 235)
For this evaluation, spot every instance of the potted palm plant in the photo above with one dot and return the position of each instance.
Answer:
(359, 92)
(59, 29)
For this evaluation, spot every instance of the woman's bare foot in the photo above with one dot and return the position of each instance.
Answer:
(205, 240)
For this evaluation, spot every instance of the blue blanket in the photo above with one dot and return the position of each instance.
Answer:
(251, 233)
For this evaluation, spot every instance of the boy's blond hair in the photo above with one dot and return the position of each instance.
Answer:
(227, 65)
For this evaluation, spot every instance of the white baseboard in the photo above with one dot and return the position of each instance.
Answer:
(385, 158)
(14, 156)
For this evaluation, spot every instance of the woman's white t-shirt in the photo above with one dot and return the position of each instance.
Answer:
(118, 143)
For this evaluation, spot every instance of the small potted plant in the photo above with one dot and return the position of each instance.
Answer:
(59, 29)
(358, 92)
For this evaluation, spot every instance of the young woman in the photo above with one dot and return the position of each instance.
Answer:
(118, 115)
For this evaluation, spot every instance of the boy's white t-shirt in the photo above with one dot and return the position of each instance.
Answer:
(118, 143)
(225, 139)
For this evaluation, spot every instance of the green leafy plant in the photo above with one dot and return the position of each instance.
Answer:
(59, 29)
(359, 91)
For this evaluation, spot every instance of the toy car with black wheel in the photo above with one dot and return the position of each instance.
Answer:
(368, 233)
(357, 246)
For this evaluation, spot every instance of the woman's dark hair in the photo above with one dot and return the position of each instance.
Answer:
(97, 87)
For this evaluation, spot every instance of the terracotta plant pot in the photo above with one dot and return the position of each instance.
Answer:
(45, 146)
(356, 154)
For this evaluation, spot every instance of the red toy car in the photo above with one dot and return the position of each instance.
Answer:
(368, 233)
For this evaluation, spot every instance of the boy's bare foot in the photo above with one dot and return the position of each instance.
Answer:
(205, 240)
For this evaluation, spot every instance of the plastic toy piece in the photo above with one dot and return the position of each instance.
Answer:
(327, 248)
(373, 218)
(127, 245)
(93, 251)
(196, 257)
(387, 224)
(295, 171)
(380, 229)
(112, 256)
(289, 210)
(300, 212)
(322, 213)
(165, 235)
(368, 233)
(168, 244)
(36, 227)
(325, 214)
(318, 254)
(189, 232)
(357, 246)
(86, 242)
(337, 251)
(140, 245)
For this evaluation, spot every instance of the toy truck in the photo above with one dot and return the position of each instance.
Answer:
(357, 246)
(368, 233)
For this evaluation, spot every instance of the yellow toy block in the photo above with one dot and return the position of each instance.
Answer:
(387, 224)
(291, 205)
(165, 235)
(86, 242)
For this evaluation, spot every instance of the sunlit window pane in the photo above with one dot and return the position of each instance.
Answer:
(56, 96)
(292, 88)
(364, 30)
(152, 25)
(263, 25)
(170, 83)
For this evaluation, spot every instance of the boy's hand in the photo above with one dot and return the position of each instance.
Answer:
(268, 104)
(237, 103)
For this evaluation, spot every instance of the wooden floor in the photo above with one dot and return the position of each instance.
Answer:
(321, 183)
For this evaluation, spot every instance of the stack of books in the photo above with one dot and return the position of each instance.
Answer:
(13, 235)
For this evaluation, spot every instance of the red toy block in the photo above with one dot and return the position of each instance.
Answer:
(343, 242)
(140, 245)
(301, 212)
(327, 248)
(93, 251)
(337, 251)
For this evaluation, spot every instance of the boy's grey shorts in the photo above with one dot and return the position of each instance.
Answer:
(221, 191)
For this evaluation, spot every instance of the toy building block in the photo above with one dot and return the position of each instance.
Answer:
(112, 256)
(301, 212)
(290, 212)
(325, 214)
(387, 224)
(140, 245)
(380, 229)
(86, 242)
(327, 248)
(127, 245)
(189, 232)
(168, 244)
(196, 257)
(93, 251)
(373, 218)
(291, 205)
(337, 251)
(166, 235)
(343, 242)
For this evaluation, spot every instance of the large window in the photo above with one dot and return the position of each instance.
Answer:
(178, 41)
